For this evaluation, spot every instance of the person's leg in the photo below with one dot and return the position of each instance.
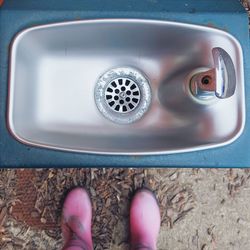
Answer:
(145, 221)
(76, 221)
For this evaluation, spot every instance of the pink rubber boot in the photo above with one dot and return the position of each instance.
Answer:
(76, 220)
(145, 220)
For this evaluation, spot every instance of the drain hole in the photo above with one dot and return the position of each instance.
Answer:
(121, 102)
(117, 107)
(111, 103)
(124, 109)
(133, 87)
(136, 93)
(117, 91)
(127, 82)
(120, 81)
(127, 99)
(108, 97)
(114, 84)
(110, 90)
(131, 105)
(135, 100)
(116, 97)
(123, 88)
(128, 92)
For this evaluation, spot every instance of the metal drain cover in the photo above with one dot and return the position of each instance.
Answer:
(123, 95)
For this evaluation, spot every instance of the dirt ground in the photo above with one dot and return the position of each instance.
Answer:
(201, 209)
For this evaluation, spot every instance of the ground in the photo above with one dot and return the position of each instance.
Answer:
(201, 209)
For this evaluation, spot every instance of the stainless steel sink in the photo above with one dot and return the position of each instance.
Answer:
(126, 86)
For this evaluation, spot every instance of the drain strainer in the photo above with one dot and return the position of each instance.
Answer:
(123, 95)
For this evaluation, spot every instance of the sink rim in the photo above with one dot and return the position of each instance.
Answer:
(10, 96)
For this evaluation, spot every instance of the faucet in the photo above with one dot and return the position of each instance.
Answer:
(219, 82)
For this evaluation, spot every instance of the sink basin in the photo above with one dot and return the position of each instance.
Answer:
(60, 73)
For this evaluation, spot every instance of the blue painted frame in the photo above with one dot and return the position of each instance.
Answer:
(16, 15)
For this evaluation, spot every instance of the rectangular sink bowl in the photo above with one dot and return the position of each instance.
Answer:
(60, 74)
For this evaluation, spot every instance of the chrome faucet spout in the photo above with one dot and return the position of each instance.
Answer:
(219, 81)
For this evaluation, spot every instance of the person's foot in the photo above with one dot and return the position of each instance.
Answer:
(76, 220)
(145, 220)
